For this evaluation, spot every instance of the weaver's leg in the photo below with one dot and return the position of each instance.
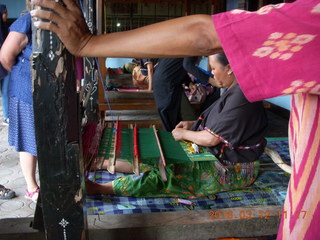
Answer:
(96, 188)
(121, 166)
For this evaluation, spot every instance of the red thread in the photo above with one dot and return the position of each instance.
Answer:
(118, 142)
(135, 142)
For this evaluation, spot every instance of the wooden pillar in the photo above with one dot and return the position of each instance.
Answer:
(100, 13)
(187, 7)
(58, 143)
(91, 75)
(252, 5)
(267, 2)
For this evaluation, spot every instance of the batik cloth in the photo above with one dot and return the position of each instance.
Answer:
(275, 51)
(189, 180)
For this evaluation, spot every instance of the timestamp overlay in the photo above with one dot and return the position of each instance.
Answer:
(254, 213)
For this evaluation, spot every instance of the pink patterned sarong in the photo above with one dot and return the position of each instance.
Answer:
(276, 51)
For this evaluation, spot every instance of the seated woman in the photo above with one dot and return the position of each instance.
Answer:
(232, 129)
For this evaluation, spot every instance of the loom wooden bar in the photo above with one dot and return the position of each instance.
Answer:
(101, 93)
(57, 136)
(136, 155)
(133, 105)
(126, 100)
(185, 225)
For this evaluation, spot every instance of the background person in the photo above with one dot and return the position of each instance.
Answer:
(201, 76)
(15, 57)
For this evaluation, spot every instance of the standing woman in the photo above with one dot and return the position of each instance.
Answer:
(168, 92)
(15, 57)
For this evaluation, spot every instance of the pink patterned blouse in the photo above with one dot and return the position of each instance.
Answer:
(276, 51)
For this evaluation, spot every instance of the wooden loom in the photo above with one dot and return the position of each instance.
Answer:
(142, 145)
(149, 145)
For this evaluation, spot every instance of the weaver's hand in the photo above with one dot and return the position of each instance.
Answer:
(177, 134)
(66, 21)
(185, 124)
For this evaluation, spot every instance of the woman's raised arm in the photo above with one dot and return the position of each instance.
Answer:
(193, 35)
(11, 48)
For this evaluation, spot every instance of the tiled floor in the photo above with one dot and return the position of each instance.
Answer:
(12, 177)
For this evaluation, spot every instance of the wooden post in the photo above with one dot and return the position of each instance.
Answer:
(91, 74)
(187, 7)
(58, 143)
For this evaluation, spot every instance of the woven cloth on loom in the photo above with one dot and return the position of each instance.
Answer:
(269, 189)
(175, 152)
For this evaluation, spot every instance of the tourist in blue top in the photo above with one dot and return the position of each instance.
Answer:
(15, 57)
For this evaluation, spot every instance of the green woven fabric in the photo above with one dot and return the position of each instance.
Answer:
(172, 149)
(106, 144)
(148, 147)
(174, 152)
(178, 152)
(126, 148)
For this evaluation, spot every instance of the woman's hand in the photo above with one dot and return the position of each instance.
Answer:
(177, 134)
(185, 124)
(202, 138)
(66, 21)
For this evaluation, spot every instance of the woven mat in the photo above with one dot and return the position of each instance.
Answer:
(269, 189)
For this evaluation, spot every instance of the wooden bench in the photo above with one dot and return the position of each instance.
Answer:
(131, 107)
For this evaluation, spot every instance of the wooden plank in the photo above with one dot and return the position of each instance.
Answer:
(166, 225)
(142, 123)
(187, 224)
(124, 106)
(162, 161)
(91, 74)
(132, 100)
(58, 151)
(99, 16)
(146, 1)
(101, 92)
(136, 153)
(129, 95)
